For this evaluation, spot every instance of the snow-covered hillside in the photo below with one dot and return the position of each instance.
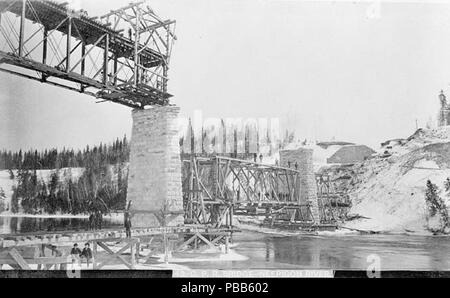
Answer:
(320, 154)
(390, 189)
(7, 184)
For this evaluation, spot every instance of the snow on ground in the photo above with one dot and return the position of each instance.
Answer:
(391, 191)
(320, 154)
(418, 140)
(338, 232)
(7, 184)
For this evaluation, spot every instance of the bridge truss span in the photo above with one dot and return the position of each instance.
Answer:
(215, 188)
(122, 56)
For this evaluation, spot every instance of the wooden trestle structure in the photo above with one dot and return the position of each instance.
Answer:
(216, 188)
(333, 205)
(122, 56)
(45, 249)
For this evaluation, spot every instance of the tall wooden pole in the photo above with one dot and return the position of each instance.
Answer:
(133, 254)
(94, 255)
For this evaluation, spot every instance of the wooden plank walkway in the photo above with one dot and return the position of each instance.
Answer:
(30, 239)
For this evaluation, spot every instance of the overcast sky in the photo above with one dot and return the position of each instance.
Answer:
(343, 70)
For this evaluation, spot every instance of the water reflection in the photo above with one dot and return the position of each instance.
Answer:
(396, 252)
(311, 253)
(13, 225)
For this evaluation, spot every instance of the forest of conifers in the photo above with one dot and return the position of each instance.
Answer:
(101, 185)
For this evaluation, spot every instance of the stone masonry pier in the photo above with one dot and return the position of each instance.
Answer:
(154, 179)
(303, 158)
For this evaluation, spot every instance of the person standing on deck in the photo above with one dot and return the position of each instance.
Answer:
(99, 219)
(91, 221)
(130, 34)
(127, 224)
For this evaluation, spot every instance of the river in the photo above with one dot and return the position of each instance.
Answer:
(268, 251)
(350, 252)
(23, 224)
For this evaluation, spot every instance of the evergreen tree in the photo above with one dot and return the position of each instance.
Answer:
(2, 200)
(436, 205)
(14, 201)
(431, 198)
(96, 189)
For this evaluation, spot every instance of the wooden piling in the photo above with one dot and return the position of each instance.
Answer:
(94, 255)
(133, 255)
(138, 251)
(227, 244)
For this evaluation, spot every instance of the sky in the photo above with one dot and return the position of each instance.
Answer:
(353, 71)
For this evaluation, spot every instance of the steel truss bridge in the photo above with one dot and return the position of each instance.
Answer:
(122, 56)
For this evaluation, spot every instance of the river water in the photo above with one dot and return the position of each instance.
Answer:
(268, 251)
(17, 224)
(355, 252)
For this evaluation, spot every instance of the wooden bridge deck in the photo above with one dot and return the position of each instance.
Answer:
(37, 238)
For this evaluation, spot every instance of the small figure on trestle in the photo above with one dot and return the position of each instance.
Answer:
(130, 33)
(127, 220)
(99, 219)
(86, 253)
(91, 221)
(127, 224)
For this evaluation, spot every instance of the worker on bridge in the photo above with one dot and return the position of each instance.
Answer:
(91, 221)
(127, 224)
(98, 219)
